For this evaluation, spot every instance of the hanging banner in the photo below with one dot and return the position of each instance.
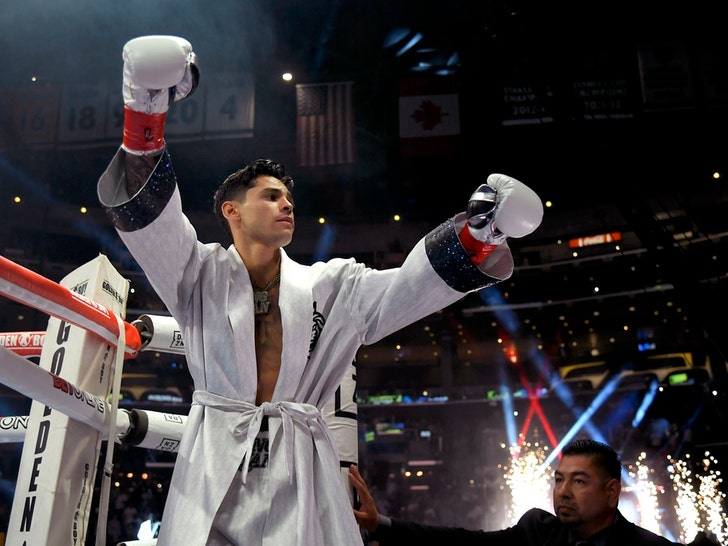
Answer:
(666, 77)
(527, 103)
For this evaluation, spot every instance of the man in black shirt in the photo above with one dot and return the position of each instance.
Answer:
(587, 485)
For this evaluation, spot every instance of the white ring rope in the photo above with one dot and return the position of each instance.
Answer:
(55, 392)
(143, 428)
(109, 463)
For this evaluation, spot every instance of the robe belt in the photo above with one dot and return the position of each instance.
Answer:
(251, 418)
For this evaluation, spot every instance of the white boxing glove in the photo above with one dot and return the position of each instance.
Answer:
(501, 208)
(157, 70)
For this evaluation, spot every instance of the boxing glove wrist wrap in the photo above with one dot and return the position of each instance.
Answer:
(477, 250)
(143, 133)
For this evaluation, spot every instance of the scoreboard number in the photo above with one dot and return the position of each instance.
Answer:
(230, 105)
(83, 114)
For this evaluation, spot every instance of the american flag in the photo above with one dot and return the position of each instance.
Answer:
(325, 124)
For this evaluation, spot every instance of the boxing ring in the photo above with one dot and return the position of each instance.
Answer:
(75, 392)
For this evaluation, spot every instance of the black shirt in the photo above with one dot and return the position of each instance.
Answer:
(535, 528)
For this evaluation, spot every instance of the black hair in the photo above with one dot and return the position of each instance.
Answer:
(242, 179)
(603, 454)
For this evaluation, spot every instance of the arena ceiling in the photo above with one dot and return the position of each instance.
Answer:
(640, 164)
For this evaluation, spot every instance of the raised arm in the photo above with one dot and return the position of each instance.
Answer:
(157, 71)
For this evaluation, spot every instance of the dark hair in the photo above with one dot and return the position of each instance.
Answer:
(604, 455)
(238, 183)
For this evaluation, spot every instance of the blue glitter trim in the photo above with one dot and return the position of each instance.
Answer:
(149, 203)
(451, 262)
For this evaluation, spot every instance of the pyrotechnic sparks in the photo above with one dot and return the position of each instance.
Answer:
(646, 492)
(528, 479)
(699, 500)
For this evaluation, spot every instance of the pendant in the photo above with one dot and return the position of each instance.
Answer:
(260, 296)
(261, 303)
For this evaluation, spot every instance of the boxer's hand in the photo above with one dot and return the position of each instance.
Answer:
(501, 208)
(517, 212)
(157, 70)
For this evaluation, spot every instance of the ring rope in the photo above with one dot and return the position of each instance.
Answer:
(28, 287)
(109, 463)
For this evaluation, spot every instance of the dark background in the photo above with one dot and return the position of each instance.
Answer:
(644, 169)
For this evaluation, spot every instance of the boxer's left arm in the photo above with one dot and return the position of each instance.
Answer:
(501, 208)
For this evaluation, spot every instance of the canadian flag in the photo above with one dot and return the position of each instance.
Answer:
(429, 119)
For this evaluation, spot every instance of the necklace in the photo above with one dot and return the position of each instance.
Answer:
(260, 296)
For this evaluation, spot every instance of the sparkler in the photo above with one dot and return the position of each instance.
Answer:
(699, 499)
(646, 491)
(528, 478)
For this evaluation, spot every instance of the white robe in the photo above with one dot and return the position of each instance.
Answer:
(328, 310)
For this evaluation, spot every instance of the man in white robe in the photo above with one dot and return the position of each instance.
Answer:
(267, 339)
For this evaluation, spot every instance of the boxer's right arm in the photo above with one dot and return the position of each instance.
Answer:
(157, 71)
(137, 169)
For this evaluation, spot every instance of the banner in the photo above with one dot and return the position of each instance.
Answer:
(527, 103)
(666, 76)
(84, 116)
(600, 98)
(429, 118)
(325, 131)
(23, 343)
(713, 62)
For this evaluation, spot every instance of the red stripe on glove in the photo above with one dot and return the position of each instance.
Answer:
(143, 132)
(477, 250)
